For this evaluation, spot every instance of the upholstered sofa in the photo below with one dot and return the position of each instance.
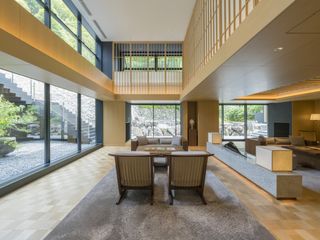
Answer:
(179, 143)
(252, 143)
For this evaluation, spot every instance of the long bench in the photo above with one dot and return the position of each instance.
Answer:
(281, 185)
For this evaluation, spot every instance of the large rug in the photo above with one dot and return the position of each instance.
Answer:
(98, 217)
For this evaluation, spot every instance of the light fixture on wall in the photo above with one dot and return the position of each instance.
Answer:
(315, 117)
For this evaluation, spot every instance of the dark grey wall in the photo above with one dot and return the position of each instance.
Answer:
(107, 58)
(281, 113)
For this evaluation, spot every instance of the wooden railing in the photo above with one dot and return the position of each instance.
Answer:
(211, 24)
(147, 68)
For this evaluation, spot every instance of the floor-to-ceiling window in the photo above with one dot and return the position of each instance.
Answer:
(240, 121)
(155, 120)
(63, 123)
(88, 121)
(21, 125)
(31, 136)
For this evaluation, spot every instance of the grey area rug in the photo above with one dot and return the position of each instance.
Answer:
(98, 217)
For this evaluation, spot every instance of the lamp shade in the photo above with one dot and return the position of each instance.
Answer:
(315, 117)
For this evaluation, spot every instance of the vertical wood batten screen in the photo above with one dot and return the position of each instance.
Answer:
(147, 68)
(212, 23)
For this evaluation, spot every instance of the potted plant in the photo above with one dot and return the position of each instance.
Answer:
(13, 118)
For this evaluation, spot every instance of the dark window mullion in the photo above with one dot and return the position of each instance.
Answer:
(79, 34)
(79, 123)
(47, 122)
(47, 12)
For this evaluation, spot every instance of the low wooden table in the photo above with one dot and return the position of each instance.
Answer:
(160, 155)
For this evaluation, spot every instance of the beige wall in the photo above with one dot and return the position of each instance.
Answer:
(184, 122)
(113, 123)
(208, 120)
(301, 112)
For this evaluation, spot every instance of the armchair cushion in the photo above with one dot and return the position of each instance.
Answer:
(297, 140)
(165, 140)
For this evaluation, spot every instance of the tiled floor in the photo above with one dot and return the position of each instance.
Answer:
(34, 210)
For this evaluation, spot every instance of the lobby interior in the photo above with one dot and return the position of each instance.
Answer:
(80, 80)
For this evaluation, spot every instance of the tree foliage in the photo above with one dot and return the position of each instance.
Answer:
(13, 117)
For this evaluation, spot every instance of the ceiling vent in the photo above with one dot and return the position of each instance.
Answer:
(84, 5)
(99, 28)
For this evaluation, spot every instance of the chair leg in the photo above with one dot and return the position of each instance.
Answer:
(151, 197)
(200, 192)
(170, 197)
(122, 195)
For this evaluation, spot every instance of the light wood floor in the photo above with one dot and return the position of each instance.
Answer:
(34, 210)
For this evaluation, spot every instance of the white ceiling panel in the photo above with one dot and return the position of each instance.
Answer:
(138, 20)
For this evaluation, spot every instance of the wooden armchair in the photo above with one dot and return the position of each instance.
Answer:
(134, 171)
(187, 170)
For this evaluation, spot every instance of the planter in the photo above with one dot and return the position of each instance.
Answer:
(7, 145)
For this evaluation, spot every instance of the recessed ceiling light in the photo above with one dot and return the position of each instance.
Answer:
(278, 49)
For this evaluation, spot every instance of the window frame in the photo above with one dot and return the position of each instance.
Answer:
(245, 119)
(49, 13)
(159, 104)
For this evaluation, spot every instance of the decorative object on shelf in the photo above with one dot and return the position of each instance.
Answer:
(192, 122)
(214, 137)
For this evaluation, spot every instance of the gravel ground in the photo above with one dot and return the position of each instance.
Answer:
(30, 155)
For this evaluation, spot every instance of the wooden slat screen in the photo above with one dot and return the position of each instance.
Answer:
(212, 23)
(147, 68)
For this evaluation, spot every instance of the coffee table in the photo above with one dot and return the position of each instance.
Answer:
(160, 155)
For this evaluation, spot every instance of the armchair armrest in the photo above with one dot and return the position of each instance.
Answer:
(250, 145)
(134, 144)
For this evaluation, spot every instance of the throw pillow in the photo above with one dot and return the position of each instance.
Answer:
(262, 140)
(297, 140)
(153, 140)
(176, 140)
(142, 140)
(165, 141)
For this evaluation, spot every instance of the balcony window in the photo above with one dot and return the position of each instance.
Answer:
(63, 33)
(34, 8)
(62, 11)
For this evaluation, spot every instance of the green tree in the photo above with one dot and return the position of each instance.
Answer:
(13, 117)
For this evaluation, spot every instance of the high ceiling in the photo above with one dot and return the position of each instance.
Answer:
(138, 20)
(285, 52)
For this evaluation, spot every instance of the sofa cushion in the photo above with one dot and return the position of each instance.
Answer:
(153, 140)
(176, 140)
(282, 141)
(142, 140)
(165, 140)
(297, 140)
(270, 140)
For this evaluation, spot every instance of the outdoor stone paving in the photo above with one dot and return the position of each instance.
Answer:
(30, 155)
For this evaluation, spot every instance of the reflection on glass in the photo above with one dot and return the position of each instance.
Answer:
(21, 125)
(234, 122)
(63, 123)
(88, 122)
(87, 39)
(257, 121)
